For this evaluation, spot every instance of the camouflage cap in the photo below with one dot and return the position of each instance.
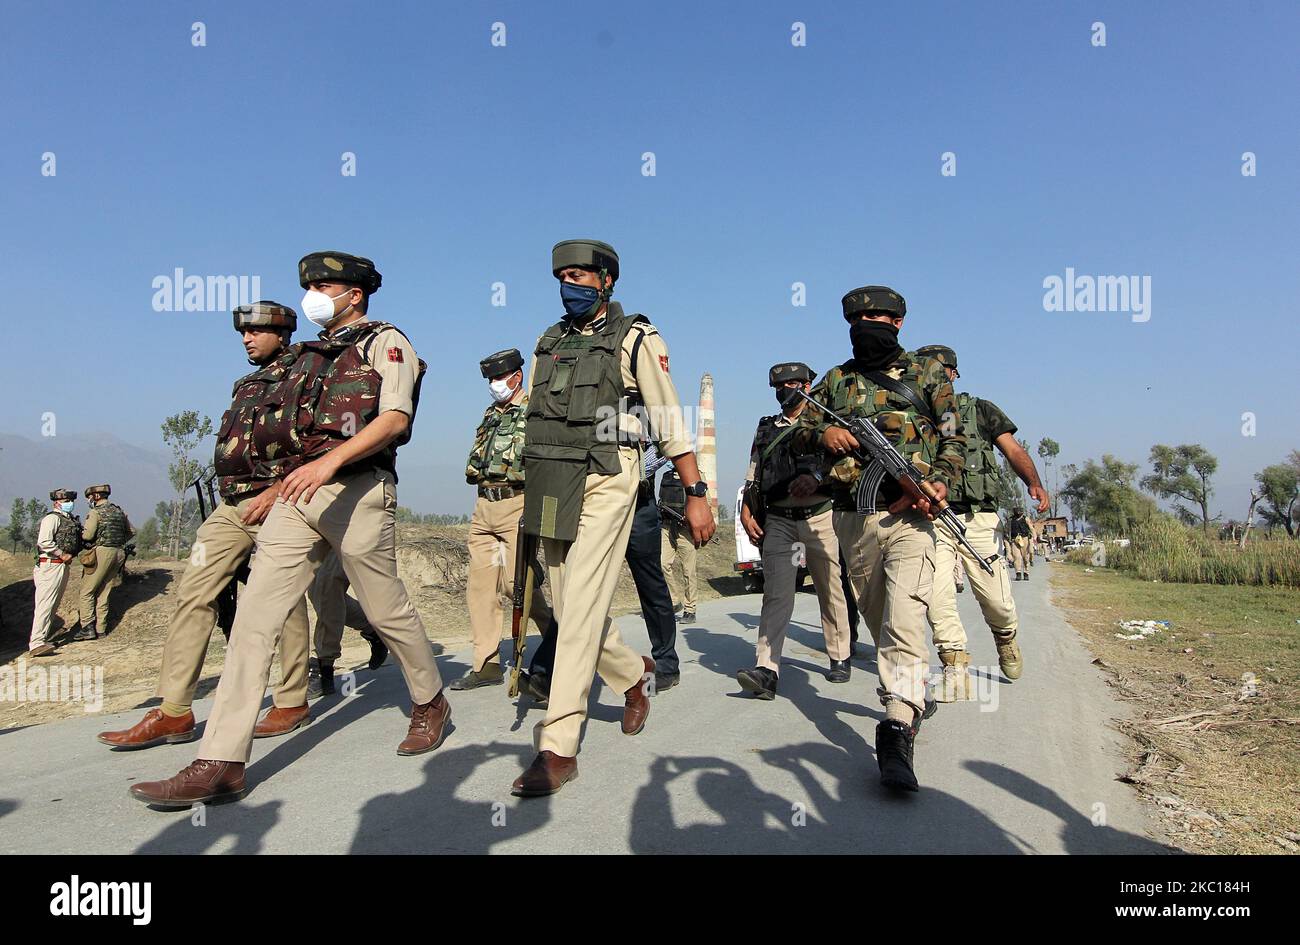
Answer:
(503, 362)
(873, 298)
(588, 254)
(333, 266)
(63, 495)
(789, 371)
(942, 352)
(105, 489)
(265, 314)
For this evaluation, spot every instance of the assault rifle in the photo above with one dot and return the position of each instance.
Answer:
(882, 459)
(521, 600)
(228, 597)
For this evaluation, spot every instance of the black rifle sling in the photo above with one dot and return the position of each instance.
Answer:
(906, 391)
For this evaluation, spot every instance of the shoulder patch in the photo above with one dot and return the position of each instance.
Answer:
(663, 363)
(395, 354)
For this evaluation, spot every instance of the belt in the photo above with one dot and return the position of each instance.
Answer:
(798, 513)
(43, 560)
(497, 493)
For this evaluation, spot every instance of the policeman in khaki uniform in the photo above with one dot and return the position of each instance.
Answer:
(496, 467)
(792, 530)
(344, 409)
(975, 500)
(888, 541)
(590, 372)
(677, 541)
(58, 539)
(107, 530)
(1019, 540)
(248, 484)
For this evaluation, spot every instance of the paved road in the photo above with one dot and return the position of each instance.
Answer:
(1029, 770)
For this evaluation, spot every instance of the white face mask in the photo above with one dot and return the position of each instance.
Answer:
(319, 307)
(501, 390)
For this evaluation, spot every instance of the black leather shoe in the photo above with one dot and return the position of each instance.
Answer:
(378, 651)
(840, 671)
(688, 616)
(894, 755)
(931, 707)
(760, 680)
(84, 633)
(666, 681)
(490, 675)
(538, 685)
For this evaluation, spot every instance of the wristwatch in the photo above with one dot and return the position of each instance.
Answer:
(699, 489)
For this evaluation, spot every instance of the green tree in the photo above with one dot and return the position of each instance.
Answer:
(1280, 488)
(1103, 495)
(1048, 450)
(147, 537)
(36, 509)
(1183, 472)
(17, 523)
(182, 433)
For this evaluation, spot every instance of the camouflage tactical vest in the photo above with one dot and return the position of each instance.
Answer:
(238, 466)
(981, 478)
(111, 530)
(67, 534)
(577, 390)
(330, 395)
(497, 455)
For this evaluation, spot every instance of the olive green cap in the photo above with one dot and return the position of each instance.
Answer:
(789, 371)
(942, 352)
(265, 314)
(92, 491)
(332, 266)
(873, 298)
(588, 254)
(503, 362)
(63, 495)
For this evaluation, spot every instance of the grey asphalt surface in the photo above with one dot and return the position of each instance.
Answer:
(1029, 769)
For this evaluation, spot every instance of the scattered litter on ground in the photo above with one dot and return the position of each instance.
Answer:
(1141, 629)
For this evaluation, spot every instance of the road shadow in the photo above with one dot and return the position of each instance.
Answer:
(247, 823)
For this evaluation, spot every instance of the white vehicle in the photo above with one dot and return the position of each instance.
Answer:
(749, 560)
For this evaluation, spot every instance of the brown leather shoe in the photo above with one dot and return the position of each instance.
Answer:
(547, 774)
(428, 726)
(201, 782)
(636, 706)
(154, 729)
(42, 649)
(282, 721)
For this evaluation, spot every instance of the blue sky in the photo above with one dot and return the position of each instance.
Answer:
(774, 165)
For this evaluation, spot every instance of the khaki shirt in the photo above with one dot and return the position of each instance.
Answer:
(654, 385)
(45, 536)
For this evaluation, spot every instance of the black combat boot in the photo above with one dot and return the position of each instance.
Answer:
(894, 755)
(760, 680)
(378, 651)
(840, 671)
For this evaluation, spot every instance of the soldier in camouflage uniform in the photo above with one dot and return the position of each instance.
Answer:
(887, 541)
(106, 532)
(496, 468)
(343, 410)
(58, 539)
(975, 500)
(249, 484)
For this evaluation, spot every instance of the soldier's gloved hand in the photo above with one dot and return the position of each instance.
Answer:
(260, 505)
(803, 486)
(1044, 500)
(700, 519)
(838, 441)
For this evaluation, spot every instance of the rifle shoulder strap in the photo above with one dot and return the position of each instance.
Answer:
(904, 390)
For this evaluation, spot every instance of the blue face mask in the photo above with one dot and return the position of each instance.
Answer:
(578, 299)
(67, 507)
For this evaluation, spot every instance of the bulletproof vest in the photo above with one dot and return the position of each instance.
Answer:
(330, 395)
(981, 478)
(913, 435)
(1018, 528)
(110, 529)
(572, 420)
(238, 465)
(497, 455)
(776, 463)
(672, 494)
(67, 534)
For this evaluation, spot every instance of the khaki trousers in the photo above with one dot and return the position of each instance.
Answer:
(1019, 551)
(51, 580)
(786, 545)
(992, 591)
(493, 530)
(583, 575)
(335, 609)
(97, 585)
(222, 544)
(677, 541)
(891, 569)
(355, 516)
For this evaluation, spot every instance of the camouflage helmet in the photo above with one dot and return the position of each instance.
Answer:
(789, 371)
(503, 362)
(333, 266)
(941, 352)
(104, 490)
(587, 254)
(63, 495)
(873, 298)
(266, 314)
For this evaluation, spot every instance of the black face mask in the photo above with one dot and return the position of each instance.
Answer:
(788, 398)
(875, 344)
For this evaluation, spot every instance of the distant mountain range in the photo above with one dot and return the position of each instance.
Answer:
(30, 468)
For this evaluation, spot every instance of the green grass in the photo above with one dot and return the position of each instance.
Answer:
(1165, 550)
